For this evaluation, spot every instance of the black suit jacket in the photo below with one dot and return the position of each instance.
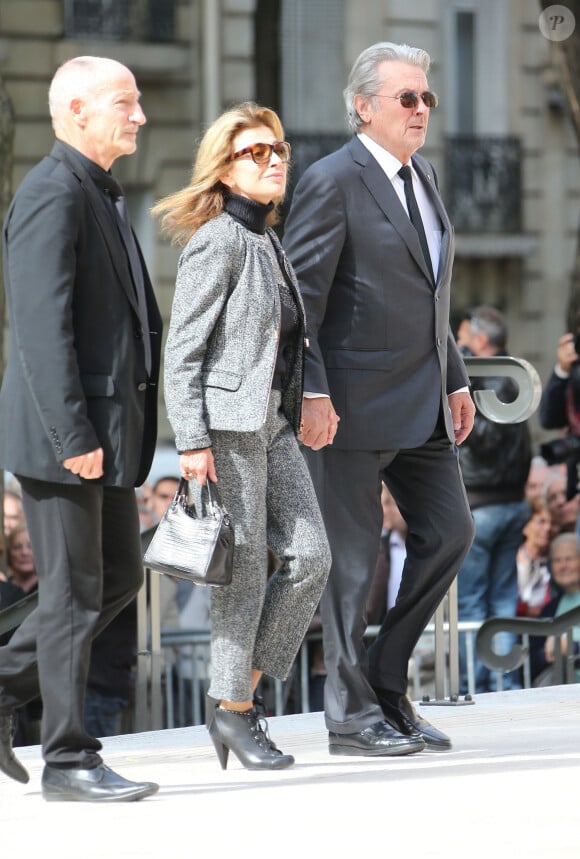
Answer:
(75, 378)
(379, 331)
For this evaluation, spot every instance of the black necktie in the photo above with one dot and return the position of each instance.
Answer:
(136, 272)
(415, 215)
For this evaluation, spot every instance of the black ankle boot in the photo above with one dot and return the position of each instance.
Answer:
(243, 734)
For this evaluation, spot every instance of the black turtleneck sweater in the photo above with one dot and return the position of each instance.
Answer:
(252, 216)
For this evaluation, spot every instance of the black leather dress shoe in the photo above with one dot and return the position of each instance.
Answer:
(400, 713)
(379, 739)
(9, 764)
(100, 784)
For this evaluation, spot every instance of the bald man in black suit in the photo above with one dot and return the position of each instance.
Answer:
(77, 415)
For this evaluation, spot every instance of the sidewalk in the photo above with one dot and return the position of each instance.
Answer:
(510, 787)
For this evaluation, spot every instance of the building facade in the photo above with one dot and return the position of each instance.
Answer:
(501, 140)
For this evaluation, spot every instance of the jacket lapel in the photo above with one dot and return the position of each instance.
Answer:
(104, 217)
(288, 272)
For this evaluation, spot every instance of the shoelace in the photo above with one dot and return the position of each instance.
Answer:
(262, 735)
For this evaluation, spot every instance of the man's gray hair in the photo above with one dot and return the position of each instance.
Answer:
(364, 78)
(491, 322)
(565, 537)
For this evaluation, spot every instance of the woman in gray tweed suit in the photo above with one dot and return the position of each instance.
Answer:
(233, 389)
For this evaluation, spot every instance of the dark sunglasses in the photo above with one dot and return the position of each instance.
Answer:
(411, 99)
(262, 152)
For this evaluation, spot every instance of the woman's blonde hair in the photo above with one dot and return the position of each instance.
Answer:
(187, 210)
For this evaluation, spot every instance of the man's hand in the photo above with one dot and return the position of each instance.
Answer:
(463, 414)
(87, 465)
(319, 422)
(198, 464)
(566, 354)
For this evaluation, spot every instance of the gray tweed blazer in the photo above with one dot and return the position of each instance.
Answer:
(223, 335)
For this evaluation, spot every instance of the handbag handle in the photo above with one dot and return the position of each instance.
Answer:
(214, 498)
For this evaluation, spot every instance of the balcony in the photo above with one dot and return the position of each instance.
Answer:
(120, 20)
(483, 188)
(483, 195)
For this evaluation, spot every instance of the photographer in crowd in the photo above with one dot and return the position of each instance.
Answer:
(560, 409)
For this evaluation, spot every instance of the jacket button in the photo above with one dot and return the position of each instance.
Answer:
(142, 386)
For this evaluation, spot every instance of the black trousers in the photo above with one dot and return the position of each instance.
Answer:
(87, 551)
(427, 486)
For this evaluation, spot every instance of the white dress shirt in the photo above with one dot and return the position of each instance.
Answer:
(431, 221)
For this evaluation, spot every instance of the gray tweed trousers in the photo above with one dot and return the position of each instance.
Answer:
(260, 622)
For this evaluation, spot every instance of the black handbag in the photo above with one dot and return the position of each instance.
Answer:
(197, 548)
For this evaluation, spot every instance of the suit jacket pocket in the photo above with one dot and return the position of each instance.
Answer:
(222, 379)
(359, 359)
(97, 385)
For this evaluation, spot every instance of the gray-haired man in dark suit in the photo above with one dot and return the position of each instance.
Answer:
(387, 391)
(77, 414)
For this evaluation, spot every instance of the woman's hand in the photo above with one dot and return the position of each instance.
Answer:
(198, 464)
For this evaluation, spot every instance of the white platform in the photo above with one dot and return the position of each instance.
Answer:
(509, 788)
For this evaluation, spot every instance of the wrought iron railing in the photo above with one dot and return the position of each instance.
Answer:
(127, 20)
(483, 183)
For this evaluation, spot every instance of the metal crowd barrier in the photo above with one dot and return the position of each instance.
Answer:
(155, 699)
(148, 698)
(183, 691)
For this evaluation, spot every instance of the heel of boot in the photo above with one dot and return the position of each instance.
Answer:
(221, 750)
